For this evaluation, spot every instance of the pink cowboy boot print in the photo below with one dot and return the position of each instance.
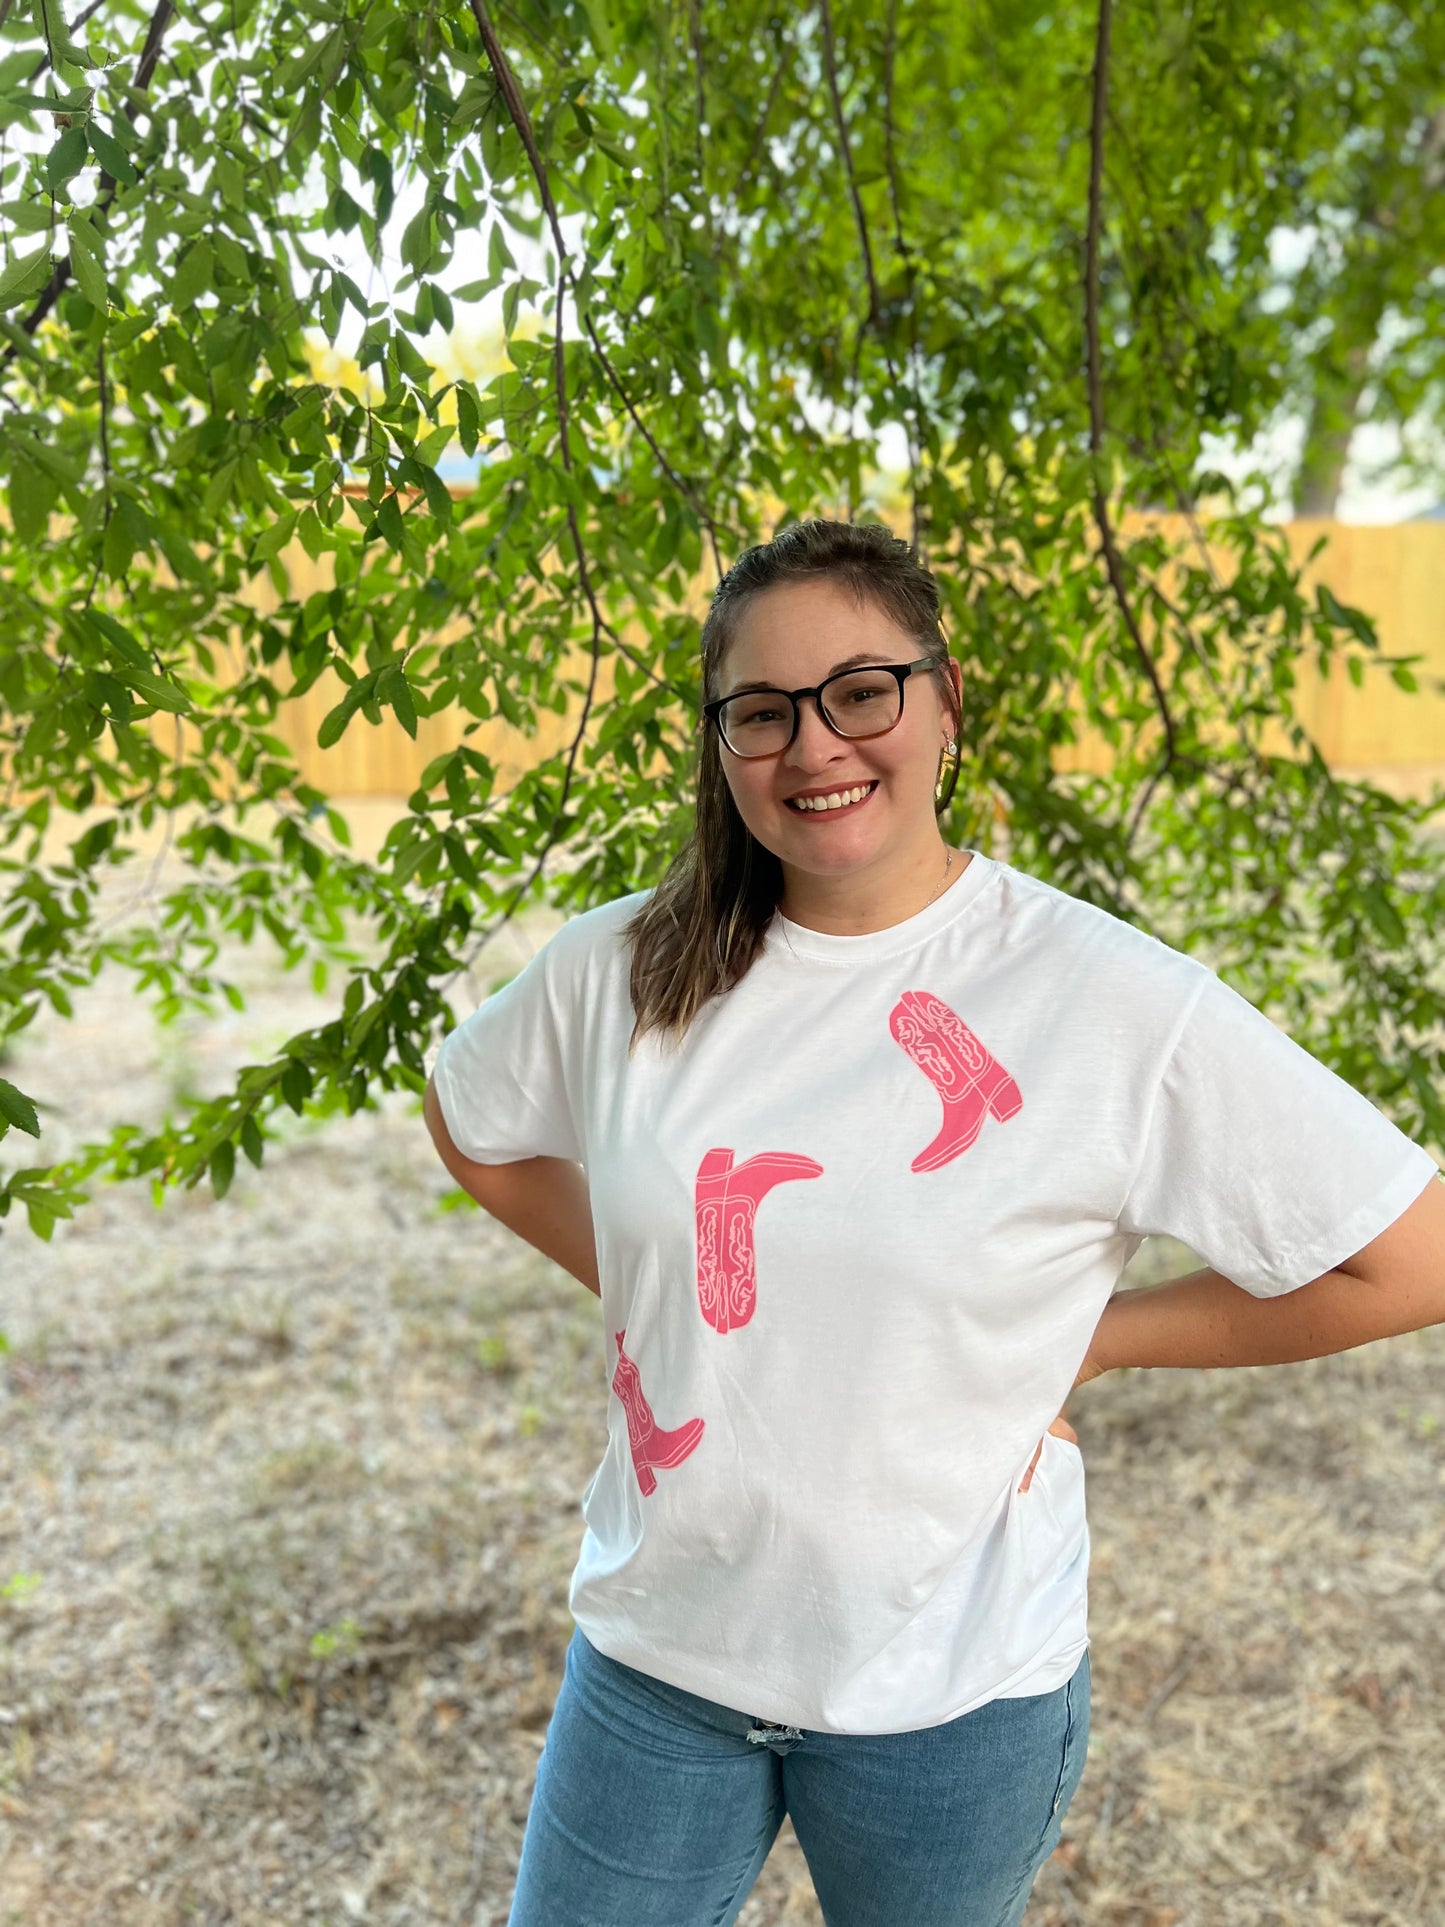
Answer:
(727, 1204)
(650, 1444)
(969, 1079)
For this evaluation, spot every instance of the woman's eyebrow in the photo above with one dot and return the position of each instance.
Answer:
(848, 662)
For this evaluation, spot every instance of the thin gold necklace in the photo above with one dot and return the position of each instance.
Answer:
(938, 892)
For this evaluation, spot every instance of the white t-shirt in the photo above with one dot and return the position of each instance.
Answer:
(854, 1238)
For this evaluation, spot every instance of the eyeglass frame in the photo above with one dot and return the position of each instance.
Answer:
(901, 670)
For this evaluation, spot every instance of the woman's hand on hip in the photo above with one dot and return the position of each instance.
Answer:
(1061, 1429)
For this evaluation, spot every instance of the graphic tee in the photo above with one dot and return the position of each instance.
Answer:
(854, 1237)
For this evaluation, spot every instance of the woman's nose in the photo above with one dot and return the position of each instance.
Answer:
(814, 736)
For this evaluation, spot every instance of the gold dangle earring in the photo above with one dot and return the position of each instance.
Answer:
(947, 775)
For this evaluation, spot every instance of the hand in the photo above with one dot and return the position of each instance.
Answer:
(1092, 1367)
(1061, 1429)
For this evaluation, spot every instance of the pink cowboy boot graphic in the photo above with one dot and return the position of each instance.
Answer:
(727, 1204)
(650, 1444)
(971, 1082)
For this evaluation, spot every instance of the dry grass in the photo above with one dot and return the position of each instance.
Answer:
(297, 1477)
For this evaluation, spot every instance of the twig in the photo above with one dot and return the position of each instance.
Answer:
(1096, 404)
(874, 317)
(521, 120)
(145, 67)
(1173, 1683)
(695, 19)
(516, 108)
(85, 14)
(831, 63)
(662, 461)
(760, 134)
(895, 202)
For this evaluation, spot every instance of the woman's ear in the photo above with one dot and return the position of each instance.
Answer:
(955, 678)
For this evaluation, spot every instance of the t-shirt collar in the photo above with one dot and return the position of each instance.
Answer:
(797, 939)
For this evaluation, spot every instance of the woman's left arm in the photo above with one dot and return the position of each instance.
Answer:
(1395, 1284)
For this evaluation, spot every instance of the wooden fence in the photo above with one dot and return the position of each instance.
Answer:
(1396, 574)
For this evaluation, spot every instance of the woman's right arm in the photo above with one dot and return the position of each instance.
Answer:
(544, 1200)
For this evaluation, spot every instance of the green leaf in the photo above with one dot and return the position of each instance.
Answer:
(438, 496)
(17, 1109)
(296, 1085)
(602, 35)
(499, 255)
(117, 547)
(193, 277)
(111, 155)
(1383, 914)
(311, 533)
(393, 688)
(66, 158)
(231, 181)
(31, 499)
(223, 1165)
(118, 636)
(388, 520)
(87, 261)
(467, 423)
(26, 275)
(416, 242)
(252, 1142)
(158, 692)
(334, 723)
(271, 541)
(428, 451)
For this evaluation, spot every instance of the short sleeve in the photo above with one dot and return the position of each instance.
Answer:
(1261, 1159)
(502, 1076)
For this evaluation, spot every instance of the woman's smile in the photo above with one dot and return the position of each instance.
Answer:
(833, 802)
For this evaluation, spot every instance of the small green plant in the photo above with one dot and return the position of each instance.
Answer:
(531, 1418)
(18, 1584)
(492, 1352)
(343, 1638)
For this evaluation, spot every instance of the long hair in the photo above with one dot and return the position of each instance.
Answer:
(701, 929)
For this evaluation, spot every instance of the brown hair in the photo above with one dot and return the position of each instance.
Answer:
(701, 929)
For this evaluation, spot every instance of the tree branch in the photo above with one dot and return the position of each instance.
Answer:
(695, 22)
(60, 276)
(521, 120)
(1096, 405)
(517, 112)
(874, 317)
(760, 135)
(831, 63)
(895, 202)
(646, 434)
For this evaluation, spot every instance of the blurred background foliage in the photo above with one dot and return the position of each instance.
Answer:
(522, 321)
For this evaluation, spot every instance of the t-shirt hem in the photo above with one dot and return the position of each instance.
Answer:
(1044, 1673)
(1366, 1222)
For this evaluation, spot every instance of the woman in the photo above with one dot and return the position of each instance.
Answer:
(870, 1127)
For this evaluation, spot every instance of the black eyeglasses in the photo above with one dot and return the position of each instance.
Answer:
(858, 702)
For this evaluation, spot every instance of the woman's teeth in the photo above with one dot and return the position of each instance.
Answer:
(835, 800)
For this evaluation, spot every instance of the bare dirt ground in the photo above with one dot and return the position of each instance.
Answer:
(289, 1499)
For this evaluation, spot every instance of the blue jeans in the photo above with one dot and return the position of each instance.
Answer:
(656, 1808)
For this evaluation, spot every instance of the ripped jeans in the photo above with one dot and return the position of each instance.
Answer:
(656, 1808)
